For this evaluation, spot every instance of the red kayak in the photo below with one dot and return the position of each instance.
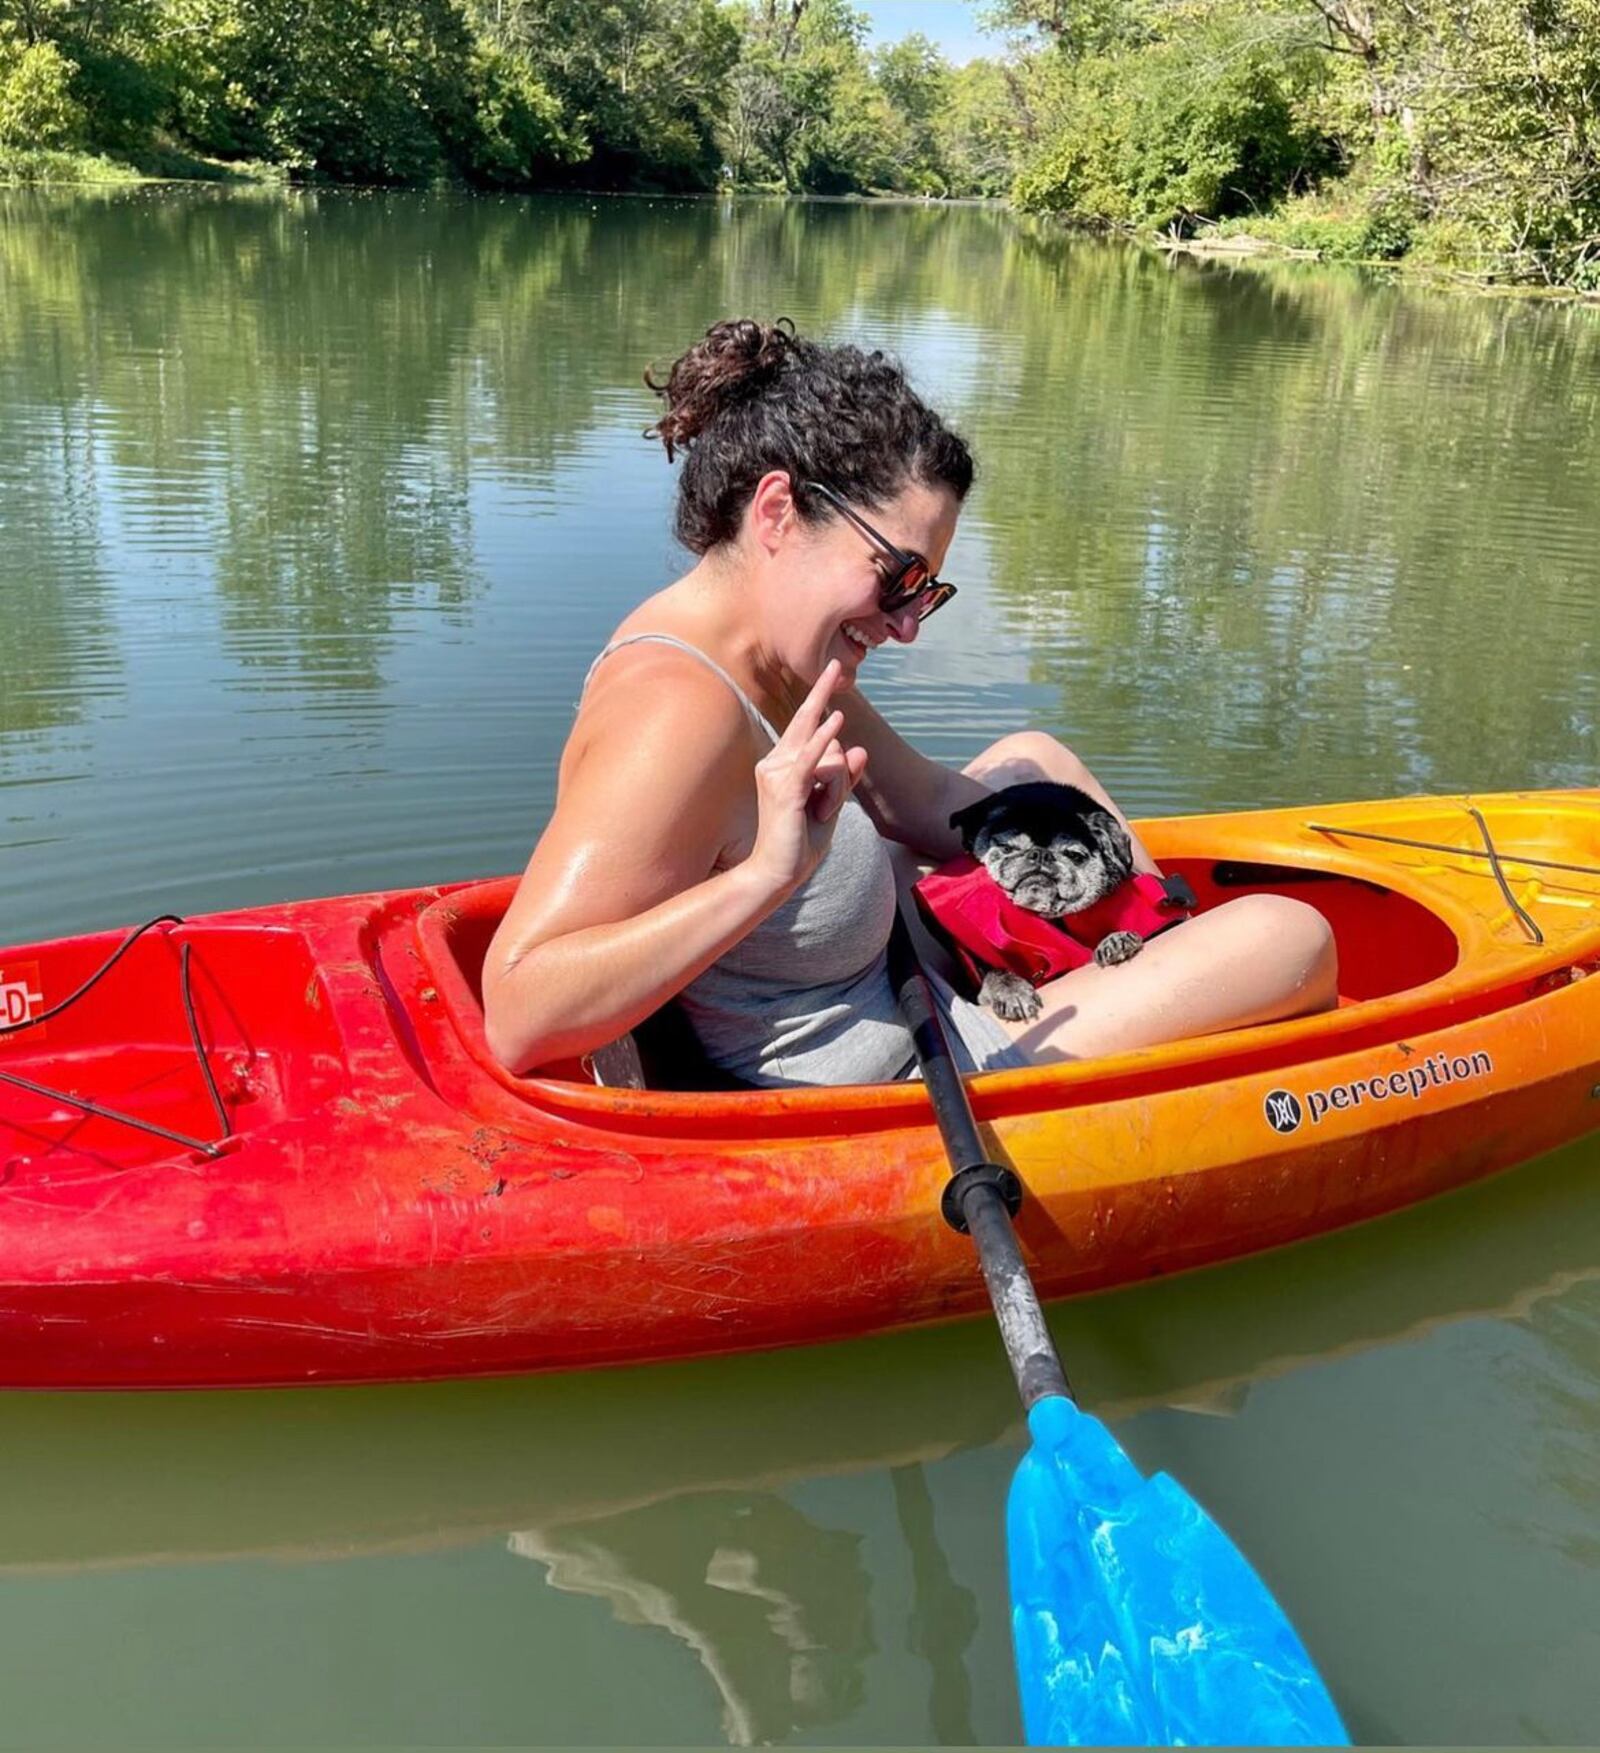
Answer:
(271, 1146)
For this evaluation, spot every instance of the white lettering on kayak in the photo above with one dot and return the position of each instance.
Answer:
(18, 1000)
(1285, 1110)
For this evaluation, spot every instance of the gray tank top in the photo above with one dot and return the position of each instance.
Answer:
(804, 997)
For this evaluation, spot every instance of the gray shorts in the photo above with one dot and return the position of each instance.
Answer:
(976, 1038)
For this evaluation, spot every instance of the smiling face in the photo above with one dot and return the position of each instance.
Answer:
(822, 580)
(1052, 848)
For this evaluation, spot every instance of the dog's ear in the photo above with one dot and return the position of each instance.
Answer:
(968, 821)
(1112, 836)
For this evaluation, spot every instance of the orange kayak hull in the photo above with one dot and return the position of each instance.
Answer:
(387, 1204)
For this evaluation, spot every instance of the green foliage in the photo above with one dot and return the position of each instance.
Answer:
(1203, 123)
(857, 144)
(637, 84)
(38, 108)
(1338, 230)
(1461, 130)
(1075, 28)
(914, 83)
(517, 120)
(45, 166)
(116, 100)
(981, 132)
(802, 113)
(661, 94)
(1468, 129)
(362, 91)
(1501, 97)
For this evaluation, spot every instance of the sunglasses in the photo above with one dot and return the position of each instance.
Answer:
(909, 582)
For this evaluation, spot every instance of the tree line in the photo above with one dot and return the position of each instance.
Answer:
(1461, 132)
(666, 95)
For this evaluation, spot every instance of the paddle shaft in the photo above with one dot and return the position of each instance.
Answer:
(976, 1195)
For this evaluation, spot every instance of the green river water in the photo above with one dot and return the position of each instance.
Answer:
(313, 509)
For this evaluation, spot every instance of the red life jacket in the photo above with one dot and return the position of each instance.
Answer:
(989, 930)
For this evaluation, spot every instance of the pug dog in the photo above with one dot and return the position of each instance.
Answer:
(1055, 851)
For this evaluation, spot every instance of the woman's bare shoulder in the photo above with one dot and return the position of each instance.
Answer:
(653, 780)
(656, 712)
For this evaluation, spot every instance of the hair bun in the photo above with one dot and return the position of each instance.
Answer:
(737, 359)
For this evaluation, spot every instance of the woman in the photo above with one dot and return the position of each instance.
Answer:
(727, 796)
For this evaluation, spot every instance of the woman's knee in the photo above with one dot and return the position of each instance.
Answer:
(1025, 755)
(1298, 938)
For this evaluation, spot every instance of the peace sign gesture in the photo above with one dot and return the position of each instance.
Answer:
(801, 785)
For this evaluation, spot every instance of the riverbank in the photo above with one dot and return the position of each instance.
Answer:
(43, 168)
(1244, 246)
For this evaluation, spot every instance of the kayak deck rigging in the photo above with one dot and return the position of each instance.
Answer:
(186, 992)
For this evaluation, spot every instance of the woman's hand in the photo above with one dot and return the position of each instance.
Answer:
(800, 788)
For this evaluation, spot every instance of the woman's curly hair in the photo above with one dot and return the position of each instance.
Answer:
(751, 397)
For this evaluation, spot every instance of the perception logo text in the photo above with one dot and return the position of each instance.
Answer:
(1286, 1110)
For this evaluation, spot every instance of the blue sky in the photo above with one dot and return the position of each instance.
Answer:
(952, 24)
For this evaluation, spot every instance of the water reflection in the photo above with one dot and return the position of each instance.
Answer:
(1342, 1438)
(1335, 533)
(944, 1614)
(1340, 516)
(57, 654)
(773, 1608)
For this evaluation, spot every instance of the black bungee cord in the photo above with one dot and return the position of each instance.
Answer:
(99, 1110)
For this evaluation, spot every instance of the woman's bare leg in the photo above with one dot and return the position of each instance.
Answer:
(1254, 960)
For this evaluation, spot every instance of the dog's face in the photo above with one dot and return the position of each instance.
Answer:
(1052, 848)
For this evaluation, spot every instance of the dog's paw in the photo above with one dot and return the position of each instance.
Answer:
(1118, 946)
(1011, 997)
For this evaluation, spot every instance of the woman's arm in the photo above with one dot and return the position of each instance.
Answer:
(576, 990)
(909, 797)
(620, 908)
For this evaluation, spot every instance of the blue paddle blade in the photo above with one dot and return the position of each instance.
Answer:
(1136, 1620)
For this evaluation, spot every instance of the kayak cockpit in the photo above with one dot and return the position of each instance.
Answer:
(1389, 944)
(365, 1010)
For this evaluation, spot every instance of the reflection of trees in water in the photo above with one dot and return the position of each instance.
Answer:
(1234, 500)
(276, 380)
(1267, 489)
(303, 387)
(1218, 496)
(56, 644)
(54, 631)
(773, 1607)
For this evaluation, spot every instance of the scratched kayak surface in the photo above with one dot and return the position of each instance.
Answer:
(315, 509)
